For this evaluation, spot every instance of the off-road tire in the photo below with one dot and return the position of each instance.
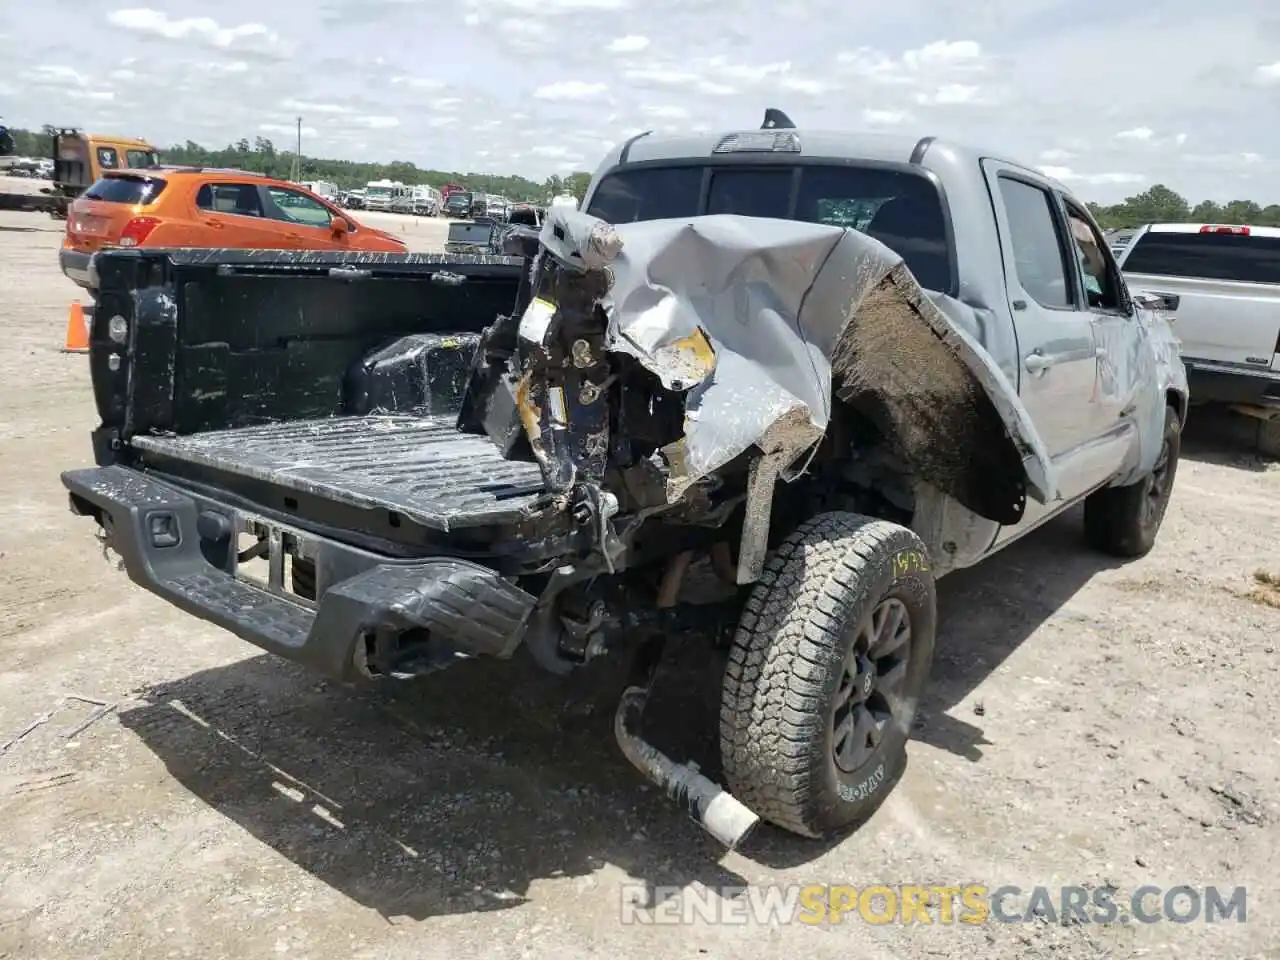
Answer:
(1117, 520)
(787, 663)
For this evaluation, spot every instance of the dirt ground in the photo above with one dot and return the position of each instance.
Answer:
(1088, 723)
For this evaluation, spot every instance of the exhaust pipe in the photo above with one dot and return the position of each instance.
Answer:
(714, 809)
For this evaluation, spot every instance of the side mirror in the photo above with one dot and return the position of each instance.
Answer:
(1157, 300)
(339, 226)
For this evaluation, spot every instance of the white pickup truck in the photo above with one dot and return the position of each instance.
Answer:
(1222, 284)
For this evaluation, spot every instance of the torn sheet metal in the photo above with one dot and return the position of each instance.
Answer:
(785, 305)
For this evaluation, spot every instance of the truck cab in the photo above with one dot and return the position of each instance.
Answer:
(80, 159)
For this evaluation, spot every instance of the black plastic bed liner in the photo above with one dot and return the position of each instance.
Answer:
(418, 466)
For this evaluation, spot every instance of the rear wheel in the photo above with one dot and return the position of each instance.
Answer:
(1124, 521)
(826, 669)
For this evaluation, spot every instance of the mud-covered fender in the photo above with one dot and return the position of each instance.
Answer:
(766, 323)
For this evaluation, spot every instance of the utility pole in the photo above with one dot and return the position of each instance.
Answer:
(297, 155)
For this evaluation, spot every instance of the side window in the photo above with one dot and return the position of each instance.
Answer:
(238, 199)
(1037, 245)
(108, 158)
(293, 207)
(1101, 285)
(140, 158)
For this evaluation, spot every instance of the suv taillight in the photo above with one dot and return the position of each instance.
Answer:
(137, 230)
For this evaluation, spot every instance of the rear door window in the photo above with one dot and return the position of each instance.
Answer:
(236, 199)
(1038, 250)
(1206, 256)
(128, 190)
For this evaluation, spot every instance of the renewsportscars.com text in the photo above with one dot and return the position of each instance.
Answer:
(879, 904)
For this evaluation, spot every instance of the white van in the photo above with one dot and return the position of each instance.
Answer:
(386, 195)
(425, 201)
(322, 188)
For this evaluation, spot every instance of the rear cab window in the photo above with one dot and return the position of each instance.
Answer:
(1212, 255)
(141, 158)
(135, 191)
(903, 209)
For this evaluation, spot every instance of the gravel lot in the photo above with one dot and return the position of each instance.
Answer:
(1088, 723)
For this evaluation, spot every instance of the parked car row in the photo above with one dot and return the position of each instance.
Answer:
(424, 201)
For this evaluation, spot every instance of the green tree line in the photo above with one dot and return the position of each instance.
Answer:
(1162, 205)
(1159, 204)
(261, 156)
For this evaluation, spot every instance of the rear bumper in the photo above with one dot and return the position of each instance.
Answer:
(75, 265)
(1212, 382)
(374, 616)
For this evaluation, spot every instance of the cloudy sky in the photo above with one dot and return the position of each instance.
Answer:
(1108, 95)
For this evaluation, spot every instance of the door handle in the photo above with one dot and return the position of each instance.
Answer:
(1037, 362)
(213, 223)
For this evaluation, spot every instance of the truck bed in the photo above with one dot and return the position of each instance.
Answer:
(416, 466)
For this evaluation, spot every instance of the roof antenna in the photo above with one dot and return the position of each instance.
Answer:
(775, 119)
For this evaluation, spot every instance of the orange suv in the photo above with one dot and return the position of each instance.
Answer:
(202, 207)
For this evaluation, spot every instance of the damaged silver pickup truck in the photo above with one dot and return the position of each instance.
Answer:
(825, 368)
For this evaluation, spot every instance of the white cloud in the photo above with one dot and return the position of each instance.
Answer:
(944, 53)
(885, 117)
(307, 106)
(1056, 155)
(224, 67)
(60, 74)
(666, 112)
(1140, 134)
(246, 36)
(659, 76)
(1246, 158)
(631, 43)
(546, 8)
(554, 152)
(805, 85)
(950, 94)
(1067, 175)
(571, 90)
(375, 122)
(669, 76)
(284, 128)
(417, 83)
(1268, 74)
